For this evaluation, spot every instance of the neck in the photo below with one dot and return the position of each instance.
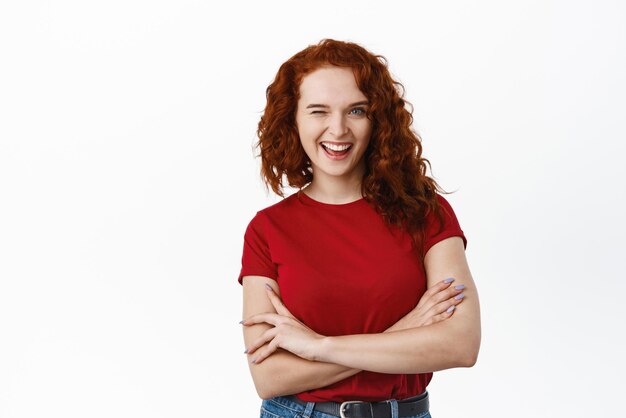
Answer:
(334, 192)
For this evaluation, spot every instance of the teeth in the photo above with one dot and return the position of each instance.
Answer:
(336, 147)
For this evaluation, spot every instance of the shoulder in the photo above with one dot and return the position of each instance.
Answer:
(275, 212)
(444, 208)
(283, 205)
(444, 204)
(442, 225)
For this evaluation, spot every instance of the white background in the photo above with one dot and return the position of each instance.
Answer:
(127, 178)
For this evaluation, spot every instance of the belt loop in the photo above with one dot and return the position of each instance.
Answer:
(394, 408)
(308, 410)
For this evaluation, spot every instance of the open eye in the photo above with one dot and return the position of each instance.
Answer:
(358, 111)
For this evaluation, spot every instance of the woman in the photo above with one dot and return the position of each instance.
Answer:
(349, 304)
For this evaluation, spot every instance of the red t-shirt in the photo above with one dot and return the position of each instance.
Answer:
(341, 271)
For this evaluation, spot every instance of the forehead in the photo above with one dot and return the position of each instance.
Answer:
(330, 85)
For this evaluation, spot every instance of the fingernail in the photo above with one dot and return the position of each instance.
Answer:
(449, 280)
(268, 286)
(459, 287)
(451, 308)
(254, 360)
(459, 296)
(246, 350)
(242, 321)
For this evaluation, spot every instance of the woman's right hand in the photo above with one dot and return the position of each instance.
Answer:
(436, 304)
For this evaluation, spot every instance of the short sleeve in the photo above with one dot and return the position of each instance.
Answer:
(256, 259)
(451, 228)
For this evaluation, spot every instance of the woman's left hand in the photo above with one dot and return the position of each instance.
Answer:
(288, 333)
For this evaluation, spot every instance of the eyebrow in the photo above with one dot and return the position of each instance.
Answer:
(361, 103)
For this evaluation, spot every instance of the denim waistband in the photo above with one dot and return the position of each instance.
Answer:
(286, 408)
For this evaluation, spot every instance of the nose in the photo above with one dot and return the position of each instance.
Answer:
(337, 125)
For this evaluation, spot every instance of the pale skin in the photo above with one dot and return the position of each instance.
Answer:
(284, 373)
(289, 357)
(438, 346)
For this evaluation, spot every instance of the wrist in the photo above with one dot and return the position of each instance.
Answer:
(324, 349)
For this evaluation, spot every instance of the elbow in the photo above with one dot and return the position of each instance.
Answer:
(271, 378)
(469, 356)
(266, 387)
(263, 389)
(470, 359)
(264, 393)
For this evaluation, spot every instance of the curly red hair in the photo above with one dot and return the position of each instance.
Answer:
(395, 181)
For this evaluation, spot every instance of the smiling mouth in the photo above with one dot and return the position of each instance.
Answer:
(333, 152)
(336, 154)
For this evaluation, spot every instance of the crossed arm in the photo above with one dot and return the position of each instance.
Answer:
(427, 339)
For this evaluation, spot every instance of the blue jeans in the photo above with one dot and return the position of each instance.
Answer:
(280, 407)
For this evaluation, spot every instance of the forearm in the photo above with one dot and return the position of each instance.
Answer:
(439, 346)
(284, 373)
(454, 342)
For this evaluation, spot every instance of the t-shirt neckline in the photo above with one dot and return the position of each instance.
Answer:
(309, 201)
